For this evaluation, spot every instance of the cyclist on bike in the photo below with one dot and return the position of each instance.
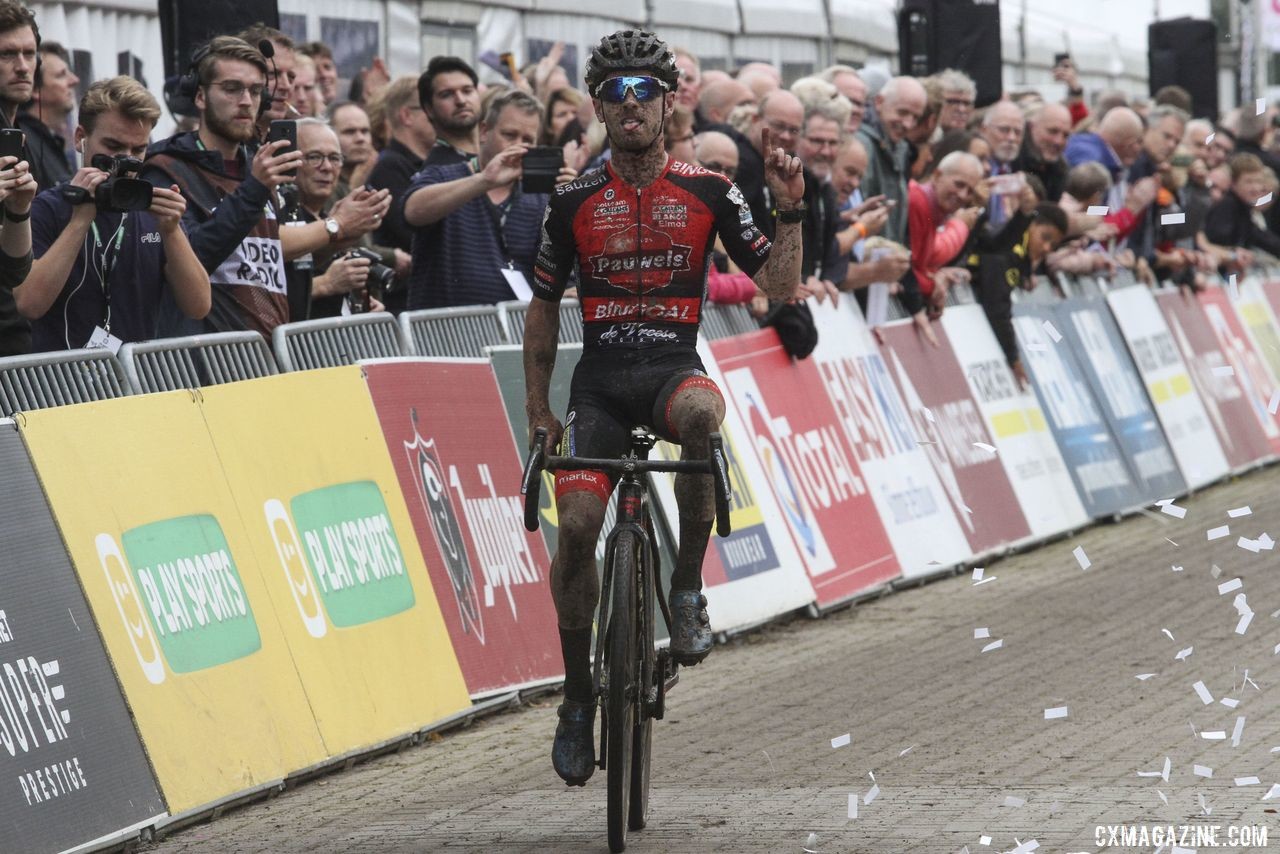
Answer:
(640, 232)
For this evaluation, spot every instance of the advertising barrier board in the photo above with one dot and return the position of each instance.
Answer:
(446, 430)
(808, 464)
(1247, 365)
(308, 469)
(1093, 457)
(1031, 459)
(1173, 395)
(952, 431)
(1254, 311)
(71, 766)
(1109, 370)
(754, 573)
(175, 587)
(1241, 425)
(911, 504)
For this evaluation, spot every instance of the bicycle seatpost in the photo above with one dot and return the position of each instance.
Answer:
(531, 482)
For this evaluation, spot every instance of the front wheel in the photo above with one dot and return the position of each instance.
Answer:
(620, 704)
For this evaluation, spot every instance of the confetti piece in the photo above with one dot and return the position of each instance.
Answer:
(1011, 801)
(1228, 586)
(1081, 557)
(981, 633)
(811, 844)
(1202, 692)
(1242, 625)
(853, 805)
(1203, 771)
(1237, 732)
(1265, 541)
(1184, 654)
(928, 415)
(1207, 811)
(1162, 797)
(1215, 735)
(1274, 791)
(1173, 219)
(1240, 511)
(1249, 545)
(1248, 781)
(841, 740)
(1169, 633)
(1055, 713)
(993, 645)
(1052, 332)
(1275, 402)
(1025, 847)
(977, 573)
(1219, 532)
(1261, 106)
(1263, 200)
(1176, 568)
(1172, 543)
(984, 446)
(984, 840)
(1143, 677)
(1215, 571)
(1164, 775)
(1174, 511)
(905, 752)
(871, 795)
(1229, 702)
(1097, 210)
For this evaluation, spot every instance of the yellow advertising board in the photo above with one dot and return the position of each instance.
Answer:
(308, 466)
(177, 592)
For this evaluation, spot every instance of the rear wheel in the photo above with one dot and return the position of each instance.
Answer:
(620, 704)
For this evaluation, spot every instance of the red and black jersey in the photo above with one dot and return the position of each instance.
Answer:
(643, 254)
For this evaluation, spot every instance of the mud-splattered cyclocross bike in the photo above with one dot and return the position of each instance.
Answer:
(630, 678)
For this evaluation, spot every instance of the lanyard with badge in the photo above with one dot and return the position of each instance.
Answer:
(105, 256)
(515, 278)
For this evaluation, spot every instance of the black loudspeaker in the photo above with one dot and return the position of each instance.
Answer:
(185, 25)
(934, 35)
(1184, 52)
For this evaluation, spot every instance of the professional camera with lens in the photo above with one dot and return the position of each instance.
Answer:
(122, 191)
(379, 282)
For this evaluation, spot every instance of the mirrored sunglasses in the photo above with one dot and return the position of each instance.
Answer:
(614, 90)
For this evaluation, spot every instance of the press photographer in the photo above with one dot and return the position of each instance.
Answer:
(106, 243)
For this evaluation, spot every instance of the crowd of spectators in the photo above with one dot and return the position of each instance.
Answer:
(406, 193)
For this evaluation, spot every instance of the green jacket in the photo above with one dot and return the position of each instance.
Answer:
(887, 174)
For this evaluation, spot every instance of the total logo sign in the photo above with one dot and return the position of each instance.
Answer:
(340, 554)
(179, 595)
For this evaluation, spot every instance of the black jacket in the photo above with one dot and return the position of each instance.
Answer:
(394, 171)
(1230, 223)
(46, 152)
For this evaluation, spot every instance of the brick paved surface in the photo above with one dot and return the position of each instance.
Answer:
(744, 762)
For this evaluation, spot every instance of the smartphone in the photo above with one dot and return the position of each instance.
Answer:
(1059, 58)
(541, 166)
(11, 142)
(285, 129)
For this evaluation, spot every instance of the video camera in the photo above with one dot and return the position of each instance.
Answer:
(122, 191)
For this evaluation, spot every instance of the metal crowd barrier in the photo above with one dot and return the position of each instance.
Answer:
(170, 364)
(43, 380)
(333, 341)
(456, 331)
(513, 313)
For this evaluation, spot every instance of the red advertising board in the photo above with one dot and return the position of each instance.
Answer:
(447, 433)
(812, 471)
(1238, 423)
(1248, 367)
(950, 425)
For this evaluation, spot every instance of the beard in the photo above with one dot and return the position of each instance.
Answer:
(458, 127)
(225, 129)
(642, 139)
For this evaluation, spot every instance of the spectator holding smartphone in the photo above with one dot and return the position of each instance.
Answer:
(99, 275)
(477, 231)
(228, 182)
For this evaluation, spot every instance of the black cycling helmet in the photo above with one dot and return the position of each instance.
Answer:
(632, 50)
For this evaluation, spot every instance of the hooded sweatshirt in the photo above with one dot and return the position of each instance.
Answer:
(233, 228)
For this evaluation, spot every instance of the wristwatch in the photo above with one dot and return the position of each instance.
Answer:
(791, 216)
(76, 195)
(331, 226)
